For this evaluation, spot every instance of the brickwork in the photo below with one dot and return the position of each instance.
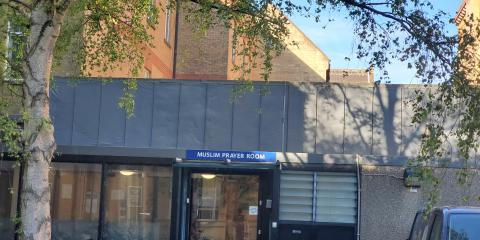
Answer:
(300, 62)
(201, 56)
(158, 60)
(351, 76)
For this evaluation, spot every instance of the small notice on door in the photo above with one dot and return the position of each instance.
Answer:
(253, 210)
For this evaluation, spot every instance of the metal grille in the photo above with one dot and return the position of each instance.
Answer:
(318, 196)
(296, 196)
(336, 197)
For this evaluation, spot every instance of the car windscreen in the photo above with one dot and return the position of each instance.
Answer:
(464, 226)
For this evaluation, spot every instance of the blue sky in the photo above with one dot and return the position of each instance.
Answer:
(338, 41)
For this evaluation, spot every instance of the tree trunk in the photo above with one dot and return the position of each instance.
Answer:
(40, 143)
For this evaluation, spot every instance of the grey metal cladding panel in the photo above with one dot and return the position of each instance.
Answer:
(411, 133)
(138, 130)
(112, 118)
(86, 114)
(246, 122)
(61, 110)
(330, 119)
(165, 115)
(271, 119)
(387, 120)
(358, 120)
(301, 118)
(218, 125)
(192, 116)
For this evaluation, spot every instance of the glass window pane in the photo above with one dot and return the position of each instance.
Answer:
(296, 195)
(138, 202)
(436, 232)
(75, 200)
(464, 227)
(336, 197)
(8, 195)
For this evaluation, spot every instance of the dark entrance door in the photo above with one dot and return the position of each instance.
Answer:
(224, 207)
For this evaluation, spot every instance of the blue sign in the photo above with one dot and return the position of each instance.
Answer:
(234, 156)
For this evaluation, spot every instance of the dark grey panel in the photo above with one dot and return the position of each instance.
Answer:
(387, 120)
(165, 115)
(218, 126)
(246, 122)
(112, 118)
(86, 114)
(61, 110)
(358, 120)
(138, 131)
(330, 119)
(272, 129)
(301, 118)
(411, 133)
(192, 116)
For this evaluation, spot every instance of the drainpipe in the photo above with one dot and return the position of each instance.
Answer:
(174, 68)
(359, 195)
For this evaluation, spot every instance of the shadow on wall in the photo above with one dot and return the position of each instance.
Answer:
(302, 117)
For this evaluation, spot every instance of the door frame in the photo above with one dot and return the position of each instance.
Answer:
(182, 190)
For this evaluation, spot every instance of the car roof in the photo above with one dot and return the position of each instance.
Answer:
(460, 209)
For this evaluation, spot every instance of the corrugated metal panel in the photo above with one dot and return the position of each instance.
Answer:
(330, 119)
(411, 133)
(218, 126)
(138, 131)
(336, 200)
(387, 121)
(301, 115)
(191, 127)
(246, 122)
(61, 111)
(112, 118)
(358, 120)
(165, 115)
(296, 196)
(272, 116)
(86, 114)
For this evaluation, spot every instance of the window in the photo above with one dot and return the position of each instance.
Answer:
(148, 73)
(436, 231)
(167, 25)
(418, 227)
(75, 200)
(464, 226)
(8, 198)
(137, 202)
(15, 45)
(318, 196)
(234, 54)
(150, 17)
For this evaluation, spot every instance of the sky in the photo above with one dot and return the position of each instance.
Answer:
(338, 41)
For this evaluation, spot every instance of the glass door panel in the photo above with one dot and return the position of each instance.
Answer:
(224, 207)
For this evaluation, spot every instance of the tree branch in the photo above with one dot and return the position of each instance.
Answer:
(405, 23)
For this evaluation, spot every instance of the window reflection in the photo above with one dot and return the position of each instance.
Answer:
(75, 200)
(138, 202)
(8, 192)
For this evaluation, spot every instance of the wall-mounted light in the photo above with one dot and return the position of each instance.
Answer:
(127, 172)
(208, 176)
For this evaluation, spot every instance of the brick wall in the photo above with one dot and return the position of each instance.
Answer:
(201, 56)
(303, 61)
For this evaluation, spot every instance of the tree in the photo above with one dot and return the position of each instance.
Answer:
(115, 30)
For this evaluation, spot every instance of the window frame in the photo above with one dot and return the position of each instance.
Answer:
(167, 33)
(7, 71)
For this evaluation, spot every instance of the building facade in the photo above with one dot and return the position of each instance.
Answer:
(306, 161)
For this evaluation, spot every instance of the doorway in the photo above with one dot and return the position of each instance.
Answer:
(216, 203)
(224, 207)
